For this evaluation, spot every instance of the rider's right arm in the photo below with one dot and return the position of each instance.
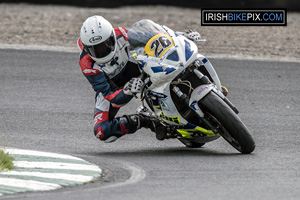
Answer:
(99, 82)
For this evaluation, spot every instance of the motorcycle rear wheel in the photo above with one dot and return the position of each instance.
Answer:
(230, 126)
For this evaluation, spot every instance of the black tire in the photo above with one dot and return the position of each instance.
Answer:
(232, 128)
(190, 144)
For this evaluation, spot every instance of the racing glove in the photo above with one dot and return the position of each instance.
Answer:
(192, 35)
(134, 86)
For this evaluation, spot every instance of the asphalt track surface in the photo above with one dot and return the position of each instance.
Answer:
(46, 104)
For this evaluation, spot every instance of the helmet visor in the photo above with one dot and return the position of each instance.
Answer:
(103, 49)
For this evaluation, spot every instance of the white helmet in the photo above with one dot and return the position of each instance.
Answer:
(98, 39)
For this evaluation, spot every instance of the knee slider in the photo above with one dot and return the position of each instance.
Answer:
(98, 132)
(101, 131)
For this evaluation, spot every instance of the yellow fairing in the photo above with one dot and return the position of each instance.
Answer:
(158, 45)
(187, 133)
(175, 120)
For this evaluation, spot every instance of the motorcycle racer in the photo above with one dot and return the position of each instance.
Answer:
(106, 62)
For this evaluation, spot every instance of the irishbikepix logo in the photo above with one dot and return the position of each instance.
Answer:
(243, 17)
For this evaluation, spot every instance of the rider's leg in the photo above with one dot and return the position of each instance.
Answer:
(138, 121)
(105, 125)
(108, 128)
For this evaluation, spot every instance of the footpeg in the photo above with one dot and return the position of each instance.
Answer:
(142, 110)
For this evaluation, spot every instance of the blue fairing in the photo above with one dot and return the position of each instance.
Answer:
(188, 51)
(157, 69)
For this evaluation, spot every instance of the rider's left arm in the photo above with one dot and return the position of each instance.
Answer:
(191, 34)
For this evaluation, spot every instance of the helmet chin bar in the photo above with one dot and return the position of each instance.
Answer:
(100, 60)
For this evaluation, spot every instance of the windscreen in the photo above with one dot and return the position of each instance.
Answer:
(142, 31)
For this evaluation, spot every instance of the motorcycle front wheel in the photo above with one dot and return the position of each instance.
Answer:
(227, 122)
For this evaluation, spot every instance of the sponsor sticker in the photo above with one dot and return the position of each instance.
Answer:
(175, 120)
(123, 32)
(243, 17)
(95, 39)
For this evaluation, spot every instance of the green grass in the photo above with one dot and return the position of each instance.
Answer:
(6, 161)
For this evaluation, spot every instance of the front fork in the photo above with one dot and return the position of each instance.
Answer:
(199, 93)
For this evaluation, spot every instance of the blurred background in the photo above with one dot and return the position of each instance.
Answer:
(291, 5)
(56, 24)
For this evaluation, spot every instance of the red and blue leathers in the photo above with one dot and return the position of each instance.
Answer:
(108, 81)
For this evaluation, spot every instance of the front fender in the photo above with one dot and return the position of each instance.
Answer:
(198, 94)
(210, 69)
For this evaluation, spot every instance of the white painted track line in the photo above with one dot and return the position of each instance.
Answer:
(137, 175)
(32, 185)
(56, 165)
(39, 47)
(41, 171)
(60, 176)
(217, 56)
(38, 153)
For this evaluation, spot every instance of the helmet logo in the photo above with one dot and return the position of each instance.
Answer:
(95, 39)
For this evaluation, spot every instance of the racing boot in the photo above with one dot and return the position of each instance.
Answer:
(137, 121)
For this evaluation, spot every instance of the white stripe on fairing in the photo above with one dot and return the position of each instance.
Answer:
(38, 153)
(32, 185)
(60, 176)
(56, 165)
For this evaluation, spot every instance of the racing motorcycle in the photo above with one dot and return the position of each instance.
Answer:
(183, 90)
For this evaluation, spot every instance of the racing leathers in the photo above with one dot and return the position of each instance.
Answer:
(108, 81)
